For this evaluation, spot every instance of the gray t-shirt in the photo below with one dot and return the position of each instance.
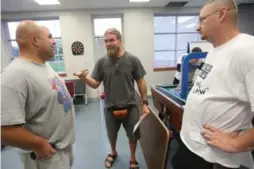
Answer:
(35, 96)
(118, 77)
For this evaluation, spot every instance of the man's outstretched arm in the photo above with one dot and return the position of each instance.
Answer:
(83, 76)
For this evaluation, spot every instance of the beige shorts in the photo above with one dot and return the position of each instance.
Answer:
(62, 159)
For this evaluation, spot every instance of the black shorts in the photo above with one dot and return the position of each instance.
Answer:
(185, 159)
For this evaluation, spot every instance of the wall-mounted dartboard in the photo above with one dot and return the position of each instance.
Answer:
(77, 48)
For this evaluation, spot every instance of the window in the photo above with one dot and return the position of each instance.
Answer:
(100, 26)
(171, 36)
(57, 62)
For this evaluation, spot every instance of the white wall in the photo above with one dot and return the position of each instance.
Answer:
(138, 39)
(137, 30)
(78, 26)
(6, 52)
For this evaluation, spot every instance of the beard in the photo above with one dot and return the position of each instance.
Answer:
(113, 51)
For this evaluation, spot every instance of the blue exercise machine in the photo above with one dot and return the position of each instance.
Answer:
(185, 68)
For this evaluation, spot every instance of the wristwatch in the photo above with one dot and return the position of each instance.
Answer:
(145, 102)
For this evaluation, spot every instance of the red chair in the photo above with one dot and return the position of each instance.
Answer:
(70, 87)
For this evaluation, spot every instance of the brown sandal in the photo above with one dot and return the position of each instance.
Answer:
(108, 160)
(134, 163)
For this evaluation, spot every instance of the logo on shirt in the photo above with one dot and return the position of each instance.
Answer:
(198, 88)
(205, 70)
(63, 96)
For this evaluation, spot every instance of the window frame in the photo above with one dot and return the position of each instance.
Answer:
(62, 73)
(176, 33)
(102, 37)
(107, 17)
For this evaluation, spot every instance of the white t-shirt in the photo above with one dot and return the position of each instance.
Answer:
(179, 61)
(223, 97)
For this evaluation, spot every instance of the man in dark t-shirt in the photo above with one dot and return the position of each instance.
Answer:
(118, 71)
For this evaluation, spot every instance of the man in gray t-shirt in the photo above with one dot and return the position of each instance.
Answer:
(118, 71)
(118, 75)
(37, 113)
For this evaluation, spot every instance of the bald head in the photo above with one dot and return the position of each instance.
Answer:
(34, 39)
(228, 4)
(25, 30)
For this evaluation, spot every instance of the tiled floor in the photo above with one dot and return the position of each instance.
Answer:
(91, 145)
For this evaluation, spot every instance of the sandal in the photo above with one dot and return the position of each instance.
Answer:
(134, 165)
(110, 159)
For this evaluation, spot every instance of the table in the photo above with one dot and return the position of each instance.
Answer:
(170, 105)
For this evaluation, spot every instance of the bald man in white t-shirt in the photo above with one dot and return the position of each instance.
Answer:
(223, 93)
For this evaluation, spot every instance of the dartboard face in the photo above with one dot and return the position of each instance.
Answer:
(77, 48)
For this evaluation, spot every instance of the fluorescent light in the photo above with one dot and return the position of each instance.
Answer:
(47, 2)
(139, 0)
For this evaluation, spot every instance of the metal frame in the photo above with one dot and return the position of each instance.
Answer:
(74, 88)
(39, 19)
(185, 71)
(84, 95)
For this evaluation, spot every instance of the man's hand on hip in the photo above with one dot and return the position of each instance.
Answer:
(217, 138)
